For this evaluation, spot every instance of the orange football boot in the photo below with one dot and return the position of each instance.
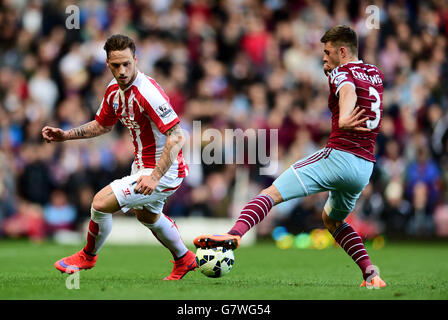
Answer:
(74, 263)
(182, 266)
(377, 282)
(225, 240)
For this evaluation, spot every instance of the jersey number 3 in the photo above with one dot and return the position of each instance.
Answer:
(372, 124)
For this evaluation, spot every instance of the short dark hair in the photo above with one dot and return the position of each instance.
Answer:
(342, 35)
(119, 42)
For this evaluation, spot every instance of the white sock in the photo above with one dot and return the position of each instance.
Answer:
(99, 229)
(165, 230)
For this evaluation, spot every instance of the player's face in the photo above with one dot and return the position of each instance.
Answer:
(122, 64)
(331, 58)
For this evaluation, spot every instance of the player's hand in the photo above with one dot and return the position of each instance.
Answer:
(354, 122)
(146, 185)
(53, 134)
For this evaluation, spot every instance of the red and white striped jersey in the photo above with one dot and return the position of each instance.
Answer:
(143, 108)
(367, 80)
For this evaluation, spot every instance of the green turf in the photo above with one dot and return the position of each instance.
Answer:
(411, 270)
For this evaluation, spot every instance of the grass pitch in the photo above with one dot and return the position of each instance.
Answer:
(261, 272)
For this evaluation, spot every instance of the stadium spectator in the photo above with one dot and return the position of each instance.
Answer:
(59, 214)
(422, 222)
(7, 190)
(424, 170)
(28, 221)
(397, 210)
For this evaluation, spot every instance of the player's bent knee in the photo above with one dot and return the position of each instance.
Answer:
(327, 220)
(98, 203)
(144, 216)
(329, 223)
(105, 204)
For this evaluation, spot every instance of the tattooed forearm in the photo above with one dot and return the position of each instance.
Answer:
(78, 132)
(87, 130)
(172, 147)
(160, 172)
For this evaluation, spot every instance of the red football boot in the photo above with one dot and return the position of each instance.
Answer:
(182, 266)
(79, 261)
(225, 240)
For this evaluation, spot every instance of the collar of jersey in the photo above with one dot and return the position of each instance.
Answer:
(359, 61)
(130, 86)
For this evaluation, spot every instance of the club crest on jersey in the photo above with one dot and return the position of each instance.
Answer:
(164, 110)
(339, 78)
(115, 103)
(126, 192)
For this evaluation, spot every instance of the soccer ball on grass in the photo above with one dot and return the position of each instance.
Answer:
(215, 262)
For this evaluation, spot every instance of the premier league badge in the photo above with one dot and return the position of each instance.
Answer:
(164, 110)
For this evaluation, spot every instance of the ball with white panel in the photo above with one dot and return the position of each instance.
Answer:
(215, 262)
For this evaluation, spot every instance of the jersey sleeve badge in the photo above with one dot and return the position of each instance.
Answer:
(164, 110)
(340, 77)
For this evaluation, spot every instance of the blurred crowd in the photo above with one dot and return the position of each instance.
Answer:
(229, 64)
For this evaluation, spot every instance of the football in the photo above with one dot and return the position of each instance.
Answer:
(215, 262)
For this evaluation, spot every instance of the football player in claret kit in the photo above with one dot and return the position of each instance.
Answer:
(158, 168)
(343, 167)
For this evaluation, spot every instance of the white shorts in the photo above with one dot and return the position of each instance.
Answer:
(124, 191)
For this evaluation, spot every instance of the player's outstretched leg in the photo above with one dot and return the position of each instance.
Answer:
(252, 214)
(165, 230)
(100, 227)
(351, 242)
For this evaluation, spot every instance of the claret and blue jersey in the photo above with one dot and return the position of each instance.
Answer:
(345, 165)
(367, 80)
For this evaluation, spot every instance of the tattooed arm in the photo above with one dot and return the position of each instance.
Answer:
(173, 144)
(87, 130)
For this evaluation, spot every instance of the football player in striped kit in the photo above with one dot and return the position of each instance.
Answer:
(158, 168)
(343, 167)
